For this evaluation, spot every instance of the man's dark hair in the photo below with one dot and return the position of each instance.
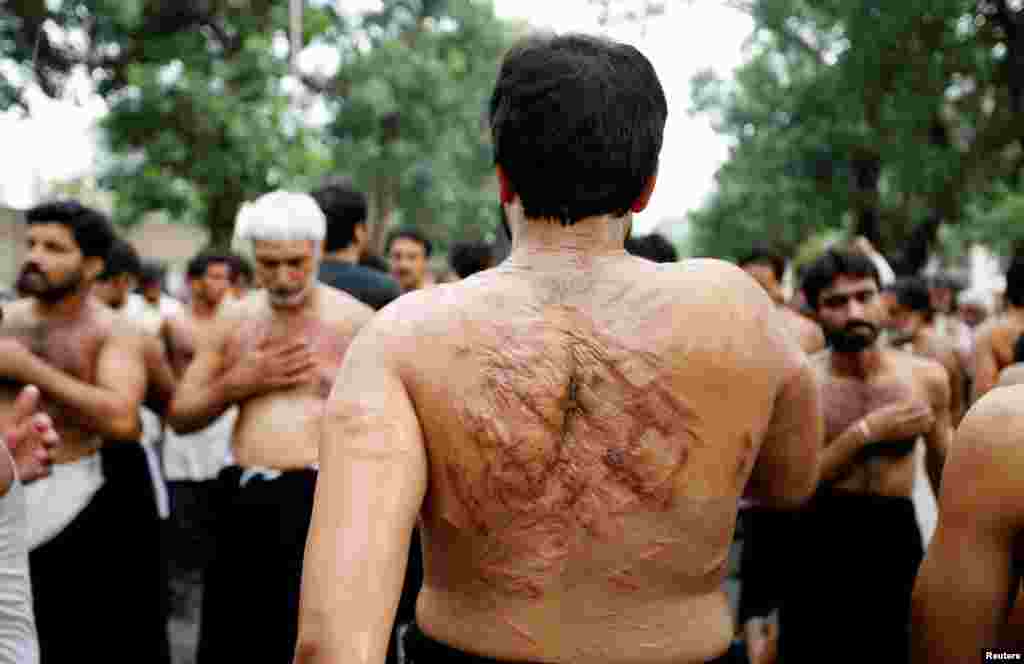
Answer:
(345, 208)
(765, 256)
(121, 259)
(241, 268)
(1015, 282)
(468, 258)
(411, 234)
(374, 262)
(830, 266)
(201, 262)
(577, 125)
(91, 229)
(152, 273)
(947, 281)
(653, 247)
(1018, 350)
(912, 293)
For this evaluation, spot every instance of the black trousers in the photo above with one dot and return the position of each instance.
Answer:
(421, 649)
(858, 558)
(99, 587)
(251, 588)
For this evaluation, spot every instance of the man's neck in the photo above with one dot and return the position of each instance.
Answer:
(202, 309)
(862, 364)
(68, 307)
(538, 242)
(349, 254)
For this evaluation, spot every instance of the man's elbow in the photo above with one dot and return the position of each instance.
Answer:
(789, 493)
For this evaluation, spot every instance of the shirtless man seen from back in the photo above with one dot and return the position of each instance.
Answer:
(573, 429)
(994, 344)
(275, 355)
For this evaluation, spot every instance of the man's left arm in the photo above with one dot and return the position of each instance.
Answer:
(940, 438)
(110, 408)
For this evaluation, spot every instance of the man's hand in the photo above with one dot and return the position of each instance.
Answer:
(30, 437)
(274, 365)
(900, 421)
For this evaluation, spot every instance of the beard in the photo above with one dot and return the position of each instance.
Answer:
(33, 282)
(853, 337)
(289, 299)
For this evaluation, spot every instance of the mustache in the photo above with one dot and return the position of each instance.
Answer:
(30, 268)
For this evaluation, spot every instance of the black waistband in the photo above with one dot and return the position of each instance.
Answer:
(421, 649)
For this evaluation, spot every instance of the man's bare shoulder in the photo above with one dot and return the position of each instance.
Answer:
(342, 306)
(985, 470)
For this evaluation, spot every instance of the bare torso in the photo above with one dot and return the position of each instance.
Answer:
(589, 436)
(72, 346)
(280, 430)
(889, 469)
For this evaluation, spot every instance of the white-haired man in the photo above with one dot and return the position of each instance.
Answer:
(275, 355)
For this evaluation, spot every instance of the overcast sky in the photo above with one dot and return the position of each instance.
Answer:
(57, 141)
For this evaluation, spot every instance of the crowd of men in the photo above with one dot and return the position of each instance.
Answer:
(541, 459)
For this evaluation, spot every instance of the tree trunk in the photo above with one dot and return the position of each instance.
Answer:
(914, 256)
(867, 171)
(221, 212)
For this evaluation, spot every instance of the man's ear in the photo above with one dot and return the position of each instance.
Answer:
(508, 193)
(645, 196)
(92, 267)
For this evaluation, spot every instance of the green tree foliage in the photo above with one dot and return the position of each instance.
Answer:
(886, 119)
(411, 126)
(205, 112)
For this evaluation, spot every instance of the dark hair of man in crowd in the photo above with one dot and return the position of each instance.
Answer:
(91, 229)
(765, 256)
(374, 262)
(831, 265)
(411, 234)
(912, 293)
(241, 268)
(201, 262)
(577, 125)
(1018, 350)
(468, 258)
(1015, 283)
(152, 273)
(653, 247)
(345, 208)
(121, 259)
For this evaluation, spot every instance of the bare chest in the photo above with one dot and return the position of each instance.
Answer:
(326, 341)
(845, 401)
(71, 347)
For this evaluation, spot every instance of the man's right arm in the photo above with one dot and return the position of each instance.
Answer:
(966, 584)
(205, 391)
